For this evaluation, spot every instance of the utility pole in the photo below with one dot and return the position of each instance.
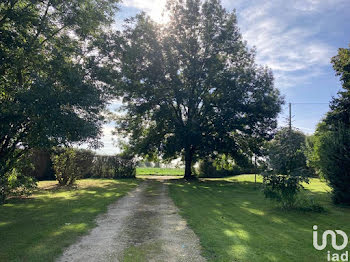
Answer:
(290, 116)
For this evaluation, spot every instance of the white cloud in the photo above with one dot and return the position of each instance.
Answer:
(109, 144)
(254, 12)
(154, 8)
(316, 5)
(286, 46)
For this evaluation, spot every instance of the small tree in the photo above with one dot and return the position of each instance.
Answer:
(287, 167)
(282, 188)
(286, 153)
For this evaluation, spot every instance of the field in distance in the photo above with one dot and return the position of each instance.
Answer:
(160, 171)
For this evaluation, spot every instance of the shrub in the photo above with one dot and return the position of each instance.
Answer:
(211, 168)
(207, 168)
(16, 182)
(308, 204)
(283, 188)
(332, 159)
(70, 164)
(84, 160)
(118, 166)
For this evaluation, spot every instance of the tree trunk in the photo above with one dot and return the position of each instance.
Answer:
(188, 164)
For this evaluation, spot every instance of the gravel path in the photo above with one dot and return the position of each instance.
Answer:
(142, 226)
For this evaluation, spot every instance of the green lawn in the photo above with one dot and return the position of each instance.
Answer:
(38, 228)
(160, 171)
(236, 223)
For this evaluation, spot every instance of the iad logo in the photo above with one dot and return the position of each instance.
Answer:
(330, 256)
(333, 237)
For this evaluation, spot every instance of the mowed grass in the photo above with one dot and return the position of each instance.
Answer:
(160, 171)
(236, 223)
(39, 227)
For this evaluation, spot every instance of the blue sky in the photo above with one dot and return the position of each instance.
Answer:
(296, 39)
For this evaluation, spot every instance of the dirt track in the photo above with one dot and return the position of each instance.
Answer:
(142, 226)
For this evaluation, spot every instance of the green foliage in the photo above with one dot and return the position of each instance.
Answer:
(70, 164)
(312, 158)
(192, 87)
(207, 169)
(287, 167)
(16, 182)
(283, 189)
(308, 204)
(118, 166)
(329, 152)
(84, 160)
(66, 171)
(331, 157)
(53, 79)
(340, 106)
(286, 153)
(218, 168)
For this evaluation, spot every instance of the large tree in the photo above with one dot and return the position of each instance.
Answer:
(54, 78)
(191, 87)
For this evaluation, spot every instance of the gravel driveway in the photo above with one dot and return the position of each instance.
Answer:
(142, 226)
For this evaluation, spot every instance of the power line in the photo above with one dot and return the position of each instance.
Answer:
(306, 103)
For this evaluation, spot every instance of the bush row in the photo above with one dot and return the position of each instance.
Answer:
(71, 164)
(224, 166)
(64, 164)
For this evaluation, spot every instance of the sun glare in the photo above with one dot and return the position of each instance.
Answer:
(157, 12)
(155, 9)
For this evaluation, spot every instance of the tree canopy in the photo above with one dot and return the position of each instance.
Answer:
(54, 80)
(330, 154)
(340, 106)
(286, 153)
(191, 87)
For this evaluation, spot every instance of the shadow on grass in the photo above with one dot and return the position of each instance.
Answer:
(38, 228)
(236, 223)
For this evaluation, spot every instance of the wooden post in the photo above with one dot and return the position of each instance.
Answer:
(256, 169)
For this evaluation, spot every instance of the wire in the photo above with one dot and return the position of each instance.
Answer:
(310, 103)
